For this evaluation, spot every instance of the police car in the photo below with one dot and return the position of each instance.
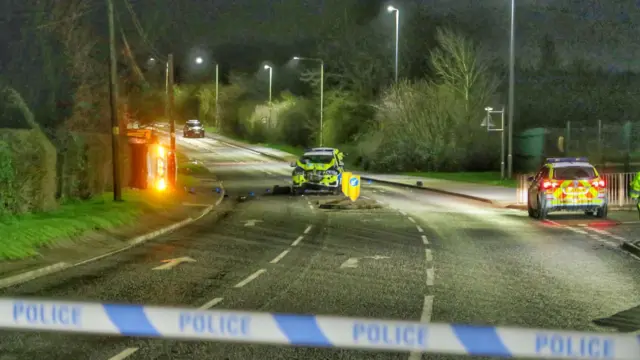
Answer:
(318, 169)
(567, 184)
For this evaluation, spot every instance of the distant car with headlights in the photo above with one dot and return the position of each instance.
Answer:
(193, 128)
(567, 184)
(319, 170)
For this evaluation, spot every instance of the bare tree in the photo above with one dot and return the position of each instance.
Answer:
(458, 64)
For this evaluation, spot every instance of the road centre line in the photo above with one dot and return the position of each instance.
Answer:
(295, 243)
(428, 254)
(411, 219)
(427, 311)
(279, 257)
(210, 304)
(424, 240)
(403, 213)
(311, 207)
(419, 228)
(250, 278)
(124, 353)
(430, 276)
(306, 231)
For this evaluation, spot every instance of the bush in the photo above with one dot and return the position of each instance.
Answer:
(420, 128)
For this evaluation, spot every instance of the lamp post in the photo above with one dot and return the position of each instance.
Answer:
(512, 52)
(397, 11)
(267, 67)
(321, 92)
(199, 61)
(487, 122)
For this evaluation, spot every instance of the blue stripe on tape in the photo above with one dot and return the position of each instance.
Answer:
(481, 340)
(130, 320)
(301, 330)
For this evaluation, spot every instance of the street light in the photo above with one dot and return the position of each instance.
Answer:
(321, 91)
(487, 122)
(267, 67)
(512, 56)
(392, 9)
(199, 61)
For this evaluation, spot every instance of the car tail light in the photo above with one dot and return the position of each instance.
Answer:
(599, 183)
(548, 184)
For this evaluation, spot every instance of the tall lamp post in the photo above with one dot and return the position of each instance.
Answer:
(199, 61)
(487, 122)
(397, 11)
(321, 92)
(267, 67)
(512, 56)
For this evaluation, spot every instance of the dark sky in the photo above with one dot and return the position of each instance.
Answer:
(600, 30)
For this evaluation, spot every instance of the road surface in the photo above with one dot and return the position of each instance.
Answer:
(424, 256)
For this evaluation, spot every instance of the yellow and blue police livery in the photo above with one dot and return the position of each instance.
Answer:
(318, 169)
(567, 184)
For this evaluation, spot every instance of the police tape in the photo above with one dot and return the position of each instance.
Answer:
(310, 330)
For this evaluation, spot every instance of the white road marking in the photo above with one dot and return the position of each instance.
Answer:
(124, 354)
(211, 304)
(419, 229)
(350, 263)
(306, 231)
(171, 263)
(251, 222)
(411, 219)
(430, 276)
(577, 231)
(427, 310)
(403, 213)
(606, 233)
(428, 255)
(424, 240)
(295, 243)
(279, 257)
(250, 278)
(311, 207)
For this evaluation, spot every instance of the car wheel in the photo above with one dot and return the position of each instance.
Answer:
(602, 212)
(202, 135)
(530, 210)
(541, 211)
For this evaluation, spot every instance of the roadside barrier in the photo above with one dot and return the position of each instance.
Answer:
(311, 330)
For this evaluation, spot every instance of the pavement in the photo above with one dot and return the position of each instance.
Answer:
(422, 256)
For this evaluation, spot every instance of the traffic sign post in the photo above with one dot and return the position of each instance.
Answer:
(346, 176)
(354, 187)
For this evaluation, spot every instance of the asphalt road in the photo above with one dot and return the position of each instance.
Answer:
(424, 256)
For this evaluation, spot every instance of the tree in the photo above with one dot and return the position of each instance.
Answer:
(460, 68)
(548, 54)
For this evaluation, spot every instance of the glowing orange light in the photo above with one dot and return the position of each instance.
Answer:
(160, 151)
(161, 185)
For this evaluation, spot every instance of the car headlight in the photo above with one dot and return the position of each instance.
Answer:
(331, 172)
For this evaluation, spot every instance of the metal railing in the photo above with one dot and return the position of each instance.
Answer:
(617, 186)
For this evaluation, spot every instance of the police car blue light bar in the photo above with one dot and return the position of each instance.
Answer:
(566, 159)
(311, 330)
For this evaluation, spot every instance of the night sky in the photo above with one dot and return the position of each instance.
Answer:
(602, 31)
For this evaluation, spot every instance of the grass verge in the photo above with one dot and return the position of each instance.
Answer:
(485, 178)
(22, 235)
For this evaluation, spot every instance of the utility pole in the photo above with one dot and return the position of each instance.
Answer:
(321, 102)
(217, 93)
(512, 75)
(172, 123)
(113, 94)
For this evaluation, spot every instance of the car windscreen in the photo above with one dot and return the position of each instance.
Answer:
(574, 172)
(316, 159)
(193, 123)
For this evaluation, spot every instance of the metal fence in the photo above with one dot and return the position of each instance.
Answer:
(617, 187)
(608, 144)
